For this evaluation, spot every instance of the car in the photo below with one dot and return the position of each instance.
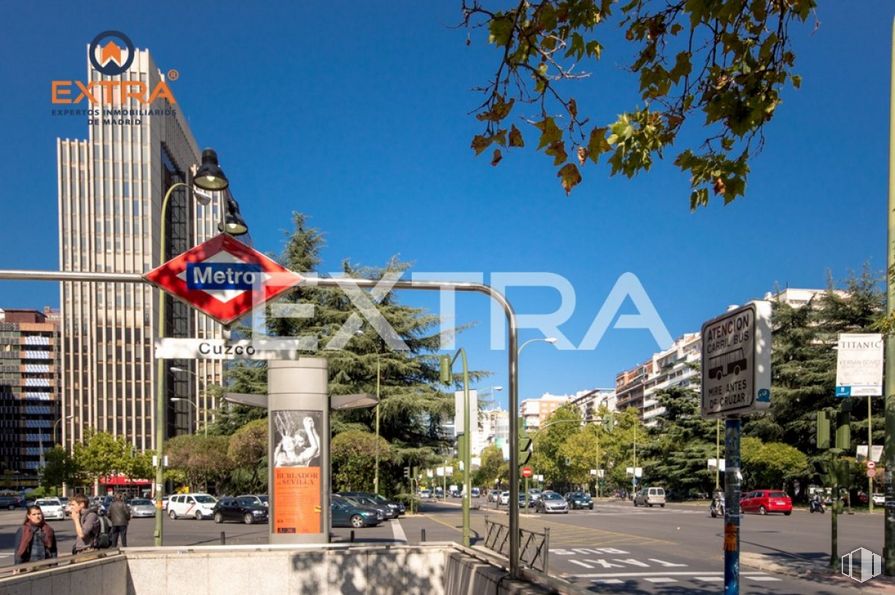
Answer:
(141, 508)
(476, 492)
(397, 508)
(424, 494)
(265, 500)
(534, 494)
(256, 499)
(64, 501)
(10, 502)
(343, 513)
(244, 509)
(504, 498)
(165, 500)
(765, 501)
(194, 506)
(650, 497)
(364, 500)
(551, 502)
(51, 508)
(579, 500)
(879, 499)
(494, 496)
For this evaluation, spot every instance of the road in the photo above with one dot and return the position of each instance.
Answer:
(615, 549)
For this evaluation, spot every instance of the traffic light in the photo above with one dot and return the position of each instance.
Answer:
(524, 450)
(608, 422)
(843, 437)
(823, 430)
(447, 376)
(407, 472)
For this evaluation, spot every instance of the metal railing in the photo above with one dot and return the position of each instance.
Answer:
(533, 546)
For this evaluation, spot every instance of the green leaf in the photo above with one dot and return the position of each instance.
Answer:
(597, 144)
(557, 150)
(500, 29)
(550, 133)
(499, 110)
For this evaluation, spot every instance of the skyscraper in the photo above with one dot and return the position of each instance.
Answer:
(111, 187)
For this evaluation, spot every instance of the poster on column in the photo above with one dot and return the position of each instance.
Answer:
(296, 471)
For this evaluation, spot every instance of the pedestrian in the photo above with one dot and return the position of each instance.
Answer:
(120, 517)
(35, 539)
(86, 522)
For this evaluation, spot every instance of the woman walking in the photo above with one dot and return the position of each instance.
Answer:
(35, 539)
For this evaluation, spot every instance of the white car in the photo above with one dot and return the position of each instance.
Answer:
(505, 498)
(425, 494)
(191, 506)
(51, 508)
(879, 499)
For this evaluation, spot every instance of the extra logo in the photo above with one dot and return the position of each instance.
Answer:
(111, 53)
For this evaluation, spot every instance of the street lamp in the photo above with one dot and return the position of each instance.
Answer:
(447, 378)
(56, 424)
(181, 399)
(208, 176)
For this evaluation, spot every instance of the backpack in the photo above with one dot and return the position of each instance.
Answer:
(103, 539)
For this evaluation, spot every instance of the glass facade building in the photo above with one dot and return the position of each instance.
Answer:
(110, 189)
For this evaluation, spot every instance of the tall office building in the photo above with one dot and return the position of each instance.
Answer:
(111, 187)
(29, 393)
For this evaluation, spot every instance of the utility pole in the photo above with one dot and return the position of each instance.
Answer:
(889, 376)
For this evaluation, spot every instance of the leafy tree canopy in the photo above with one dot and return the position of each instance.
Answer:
(724, 64)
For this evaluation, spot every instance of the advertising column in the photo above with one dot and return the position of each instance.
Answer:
(298, 427)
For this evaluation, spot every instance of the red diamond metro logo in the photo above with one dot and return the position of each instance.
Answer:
(223, 278)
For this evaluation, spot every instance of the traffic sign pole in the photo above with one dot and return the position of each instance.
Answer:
(732, 508)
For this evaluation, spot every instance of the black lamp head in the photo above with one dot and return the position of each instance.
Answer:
(233, 223)
(210, 176)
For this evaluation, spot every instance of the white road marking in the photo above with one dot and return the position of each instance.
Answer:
(637, 574)
(667, 564)
(765, 579)
(398, 531)
(709, 579)
(579, 563)
(661, 579)
(611, 581)
(632, 562)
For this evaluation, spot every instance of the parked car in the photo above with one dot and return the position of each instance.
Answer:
(344, 513)
(765, 501)
(64, 501)
(425, 493)
(476, 492)
(265, 500)
(51, 509)
(579, 500)
(534, 494)
(244, 509)
(256, 499)
(364, 500)
(494, 496)
(552, 502)
(504, 498)
(165, 500)
(879, 499)
(141, 508)
(650, 497)
(10, 502)
(194, 506)
(397, 508)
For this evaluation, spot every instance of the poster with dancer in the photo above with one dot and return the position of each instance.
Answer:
(296, 471)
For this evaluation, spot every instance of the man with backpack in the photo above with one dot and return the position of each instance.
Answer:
(92, 531)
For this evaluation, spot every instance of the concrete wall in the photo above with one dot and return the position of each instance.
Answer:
(431, 569)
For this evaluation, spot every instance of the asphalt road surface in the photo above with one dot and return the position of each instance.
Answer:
(614, 549)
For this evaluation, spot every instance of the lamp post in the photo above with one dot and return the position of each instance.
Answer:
(551, 341)
(889, 376)
(56, 424)
(208, 176)
(447, 378)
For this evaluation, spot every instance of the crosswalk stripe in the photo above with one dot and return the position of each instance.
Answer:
(709, 579)
(765, 579)
(579, 563)
(660, 579)
(611, 581)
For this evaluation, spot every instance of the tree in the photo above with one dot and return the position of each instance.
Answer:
(493, 470)
(353, 459)
(547, 458)
(60, 468)
(247, 448)
(726, 62)
(202, 459)
(770, 465)
(102, 454)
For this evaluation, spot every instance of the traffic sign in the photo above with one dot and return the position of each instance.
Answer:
(223, 278)
(736, 361)
(526, 472)
(871, 472)
(871, 465)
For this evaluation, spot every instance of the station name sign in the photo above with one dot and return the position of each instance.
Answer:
(221, 275)
(736, 361)
(220, 349)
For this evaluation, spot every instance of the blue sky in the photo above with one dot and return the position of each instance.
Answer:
(357, 115)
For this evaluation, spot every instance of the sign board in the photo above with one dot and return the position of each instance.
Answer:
(539, 478)
(635, 471)
(223, 278)
(871, 472)
(871, 465)
(719, 463)
(875, 455)
(221, 349)
(526, 472)
(458, 413)
(736, 361)
(859, 365)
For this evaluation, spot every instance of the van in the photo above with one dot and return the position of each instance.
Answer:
(650, 497)
(192, 506)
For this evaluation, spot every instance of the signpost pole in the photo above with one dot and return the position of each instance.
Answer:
(732, 509)
(869, 453)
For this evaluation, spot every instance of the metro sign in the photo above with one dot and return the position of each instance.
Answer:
(223, 278)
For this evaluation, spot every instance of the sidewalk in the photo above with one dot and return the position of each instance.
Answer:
(813, 569)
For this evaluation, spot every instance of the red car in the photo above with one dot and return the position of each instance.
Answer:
(765, 501)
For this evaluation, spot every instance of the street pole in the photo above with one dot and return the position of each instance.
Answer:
(467, 450)
(889, 376)
(732, 509)
(717, 454)
(869, 453)
(376, 471)
(634, 472)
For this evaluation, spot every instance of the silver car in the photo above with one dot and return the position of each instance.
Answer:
(551, 502)
(141, 508)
